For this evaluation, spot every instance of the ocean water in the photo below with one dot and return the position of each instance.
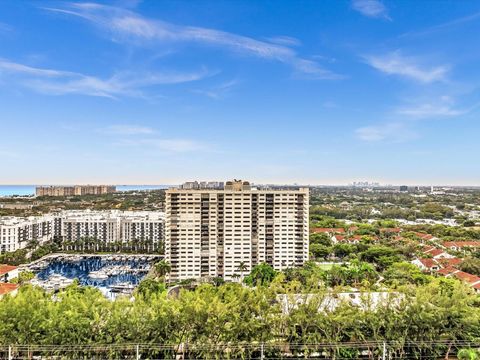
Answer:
(17, 190)
(141, 187)
(29, 190)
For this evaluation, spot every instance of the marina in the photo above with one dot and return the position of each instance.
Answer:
(111, 274)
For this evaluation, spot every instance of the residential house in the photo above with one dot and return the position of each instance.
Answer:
(7, 273)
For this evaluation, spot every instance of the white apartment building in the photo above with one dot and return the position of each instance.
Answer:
(16, 233)
(74, 225)
(209, 233)
(113, 226)
(100, 225)
(144, 226)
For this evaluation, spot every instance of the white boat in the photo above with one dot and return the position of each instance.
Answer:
(122, 287)
(101, 275)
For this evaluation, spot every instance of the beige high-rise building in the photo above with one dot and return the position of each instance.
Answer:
(209, 233)
(75, 190)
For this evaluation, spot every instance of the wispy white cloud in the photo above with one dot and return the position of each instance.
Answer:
(127, 130)
(8, 66)
(392, 132)
(126, 25)
(428, 110)
(219, 91)
(395, 63)
(59, 82)
(403, 120)
(284, 40)
(371, 8)
(174, 145)
(444, 26)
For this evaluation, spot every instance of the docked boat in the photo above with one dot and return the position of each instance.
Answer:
(122, 288)
(100, 275)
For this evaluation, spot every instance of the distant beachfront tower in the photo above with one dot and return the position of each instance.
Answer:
(210, 232)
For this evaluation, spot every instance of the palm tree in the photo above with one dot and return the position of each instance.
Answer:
(162, 268)
(242, 267)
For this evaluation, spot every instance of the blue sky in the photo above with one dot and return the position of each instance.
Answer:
(314, 92)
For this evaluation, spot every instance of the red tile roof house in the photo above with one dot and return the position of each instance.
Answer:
(472, 280)
(446, 271)
(426, 237)
(436, 253)
(450, 262)
(431, 264)
(338, 238)
(8, 272)
(391, 230)
(459, 245)
(427, 264)
(6, 288)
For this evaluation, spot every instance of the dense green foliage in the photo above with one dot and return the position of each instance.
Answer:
(442, 309)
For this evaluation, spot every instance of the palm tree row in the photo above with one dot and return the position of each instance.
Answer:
(91, 244)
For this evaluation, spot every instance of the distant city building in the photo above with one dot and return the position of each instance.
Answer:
(403, 188)
(365, 184)
(107, 226)
(213, 233)
(195, 185)
(75, 190)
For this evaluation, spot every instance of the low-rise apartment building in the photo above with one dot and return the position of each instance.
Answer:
(113, 226)
(16, 233)
(109, 226)
(226, 232)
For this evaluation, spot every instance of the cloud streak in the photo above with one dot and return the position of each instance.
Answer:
(128, 26)
(371, 8)
(400, 127)
(219, 91)
(393, 131)
(173, 145)
(59, 82)
(127, 130)
(430, 110)
(145, 137)
(444, 26)
(396, 64)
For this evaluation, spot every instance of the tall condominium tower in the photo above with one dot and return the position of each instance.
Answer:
(209, 233)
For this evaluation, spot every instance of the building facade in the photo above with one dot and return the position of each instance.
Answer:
(213, 233)
(76, 190)
(109, 226)
(113, 226)
(16, 233)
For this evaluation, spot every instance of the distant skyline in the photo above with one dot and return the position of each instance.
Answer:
(307, 92)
